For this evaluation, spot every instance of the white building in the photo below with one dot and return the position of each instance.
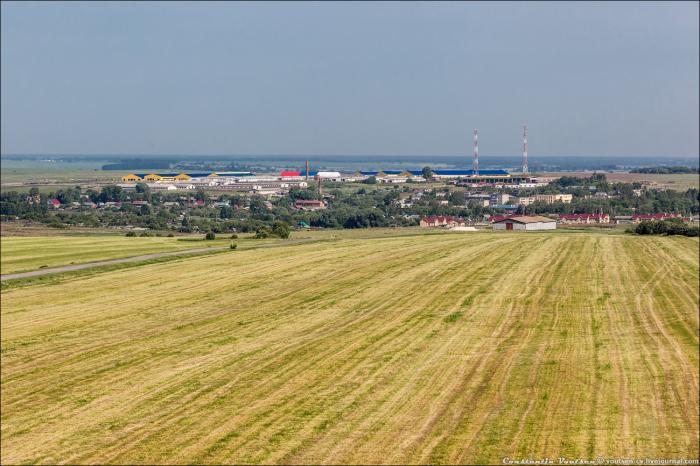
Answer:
(330, 176)
(525, 223)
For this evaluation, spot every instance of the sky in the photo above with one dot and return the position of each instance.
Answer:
(335, 78)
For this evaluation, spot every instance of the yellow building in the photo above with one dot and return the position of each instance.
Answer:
(131, 177)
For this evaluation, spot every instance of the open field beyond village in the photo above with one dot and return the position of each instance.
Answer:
(440, 348)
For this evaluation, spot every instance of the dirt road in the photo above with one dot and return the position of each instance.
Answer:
(87, 265)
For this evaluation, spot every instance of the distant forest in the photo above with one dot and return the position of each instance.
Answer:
(665, 170)
(139, 164)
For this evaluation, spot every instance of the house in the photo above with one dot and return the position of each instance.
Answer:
(660, 216)
(309, 204)
(524, 200)
(139, 203)
(584, 218)
(55, 203)
(552, 198)
(499, 198)
(525, 223)
(35, 199)
(619, 219)
(446, 221)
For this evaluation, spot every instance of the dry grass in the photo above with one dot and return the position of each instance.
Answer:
(416, 349)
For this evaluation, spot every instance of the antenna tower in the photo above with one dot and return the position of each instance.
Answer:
(475, 163)
(525, 169)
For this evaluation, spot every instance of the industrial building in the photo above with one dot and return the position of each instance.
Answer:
(469, 176)
(132, 177)
(525, 223)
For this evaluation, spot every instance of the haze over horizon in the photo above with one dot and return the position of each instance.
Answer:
(364, 79)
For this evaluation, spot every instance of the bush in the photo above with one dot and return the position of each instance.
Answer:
(263, 232)
(146, 234)
(210, 235)
(56, 224)
(131, 234)
(170, 235)
(234, 236)
(666, 227)
(233, 245)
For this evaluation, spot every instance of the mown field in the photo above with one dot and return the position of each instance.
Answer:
(18, 254)
(413, 349)
(678, 182)
(30, 248)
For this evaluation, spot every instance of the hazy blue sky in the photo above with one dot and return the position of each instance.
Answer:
(350, 78)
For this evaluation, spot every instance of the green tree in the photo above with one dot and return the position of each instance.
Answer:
(281, 229)
(427, 172)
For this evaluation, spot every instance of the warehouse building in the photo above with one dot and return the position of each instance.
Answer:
(525, 223)
(132, 177)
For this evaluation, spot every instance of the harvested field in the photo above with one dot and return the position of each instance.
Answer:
(18, 254)
(413, 349)
(678, 182)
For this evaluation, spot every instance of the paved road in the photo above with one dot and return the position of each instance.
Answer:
(87, 265)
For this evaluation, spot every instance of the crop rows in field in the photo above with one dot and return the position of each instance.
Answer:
(443, 348)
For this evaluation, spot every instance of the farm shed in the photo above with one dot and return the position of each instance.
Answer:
(527, 223)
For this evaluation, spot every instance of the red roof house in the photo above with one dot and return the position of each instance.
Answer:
(308, 204)
(441, 221)
(498, 218)
(584, 218)
(660, 216)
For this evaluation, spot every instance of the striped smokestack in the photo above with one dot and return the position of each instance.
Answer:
(525, 169)
(475, 163)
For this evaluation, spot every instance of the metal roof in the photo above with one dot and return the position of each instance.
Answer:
(237, 174)
(440, 172)
(470, 172)
(386, 172)
(526, 219)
